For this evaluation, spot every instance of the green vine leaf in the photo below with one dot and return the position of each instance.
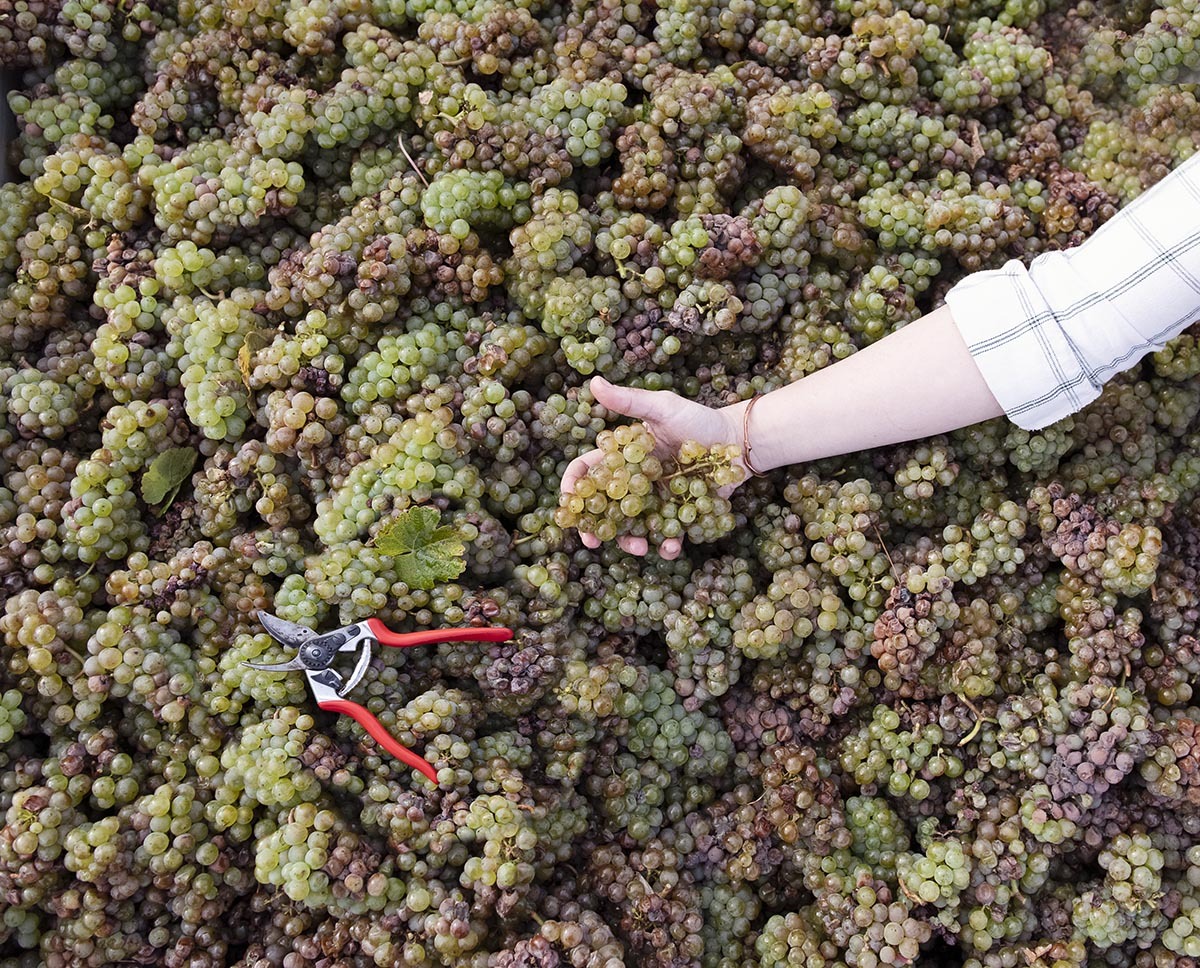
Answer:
(165, 476)
(425, 553)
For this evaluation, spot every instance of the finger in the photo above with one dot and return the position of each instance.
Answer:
(632, 402)
(579, 468)
(633, 545)
(728, 489)
(670, 549)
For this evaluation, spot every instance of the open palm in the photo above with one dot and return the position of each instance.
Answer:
(672, 420)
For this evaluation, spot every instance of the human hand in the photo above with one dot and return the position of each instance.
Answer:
(672, 420)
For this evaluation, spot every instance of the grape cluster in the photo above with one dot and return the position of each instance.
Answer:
(937, 876)
(909, 630)
(794, 606)
(630, 491)
(1106, 745)
(880, 836)
(207, 338)
(700, 632)
(790, 127)
(899, 761)
(459, 201)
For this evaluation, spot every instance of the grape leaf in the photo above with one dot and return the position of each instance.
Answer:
(165, 475)
(425, 553)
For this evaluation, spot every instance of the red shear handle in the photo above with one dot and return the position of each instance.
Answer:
(402, 640)
(381, 736)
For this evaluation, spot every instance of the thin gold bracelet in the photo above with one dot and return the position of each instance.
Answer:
(746, 439)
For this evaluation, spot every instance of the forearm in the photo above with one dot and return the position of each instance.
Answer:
(1034, 343)
(1048, 336)
(917, 382)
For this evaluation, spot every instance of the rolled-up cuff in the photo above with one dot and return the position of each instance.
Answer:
(1032, 369)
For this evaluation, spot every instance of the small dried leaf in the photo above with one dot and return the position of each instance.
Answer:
(255, 341)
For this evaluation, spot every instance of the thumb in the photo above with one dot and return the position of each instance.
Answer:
(630, 401)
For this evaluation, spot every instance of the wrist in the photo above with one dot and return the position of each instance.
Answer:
(753, 463)
(741, 420)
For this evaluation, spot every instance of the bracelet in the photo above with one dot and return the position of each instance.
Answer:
(746, 439)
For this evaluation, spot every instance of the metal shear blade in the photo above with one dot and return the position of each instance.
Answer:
(285, 632)
(315, 653)
(295, 665)
(290, 634)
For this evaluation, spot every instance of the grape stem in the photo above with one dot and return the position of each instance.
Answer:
(409, 158)
(980, 719)
(886, 554)
(625, 272)
(699, 468)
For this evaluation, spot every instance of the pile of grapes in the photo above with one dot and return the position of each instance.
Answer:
(274, 273)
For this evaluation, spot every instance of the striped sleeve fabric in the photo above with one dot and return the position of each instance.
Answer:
(1046, 338)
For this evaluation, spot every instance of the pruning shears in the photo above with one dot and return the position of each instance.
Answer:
(315, 654)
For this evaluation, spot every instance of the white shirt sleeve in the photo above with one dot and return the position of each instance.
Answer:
(1048, 338)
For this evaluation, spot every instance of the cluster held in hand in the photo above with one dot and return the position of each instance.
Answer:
(631, 491)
